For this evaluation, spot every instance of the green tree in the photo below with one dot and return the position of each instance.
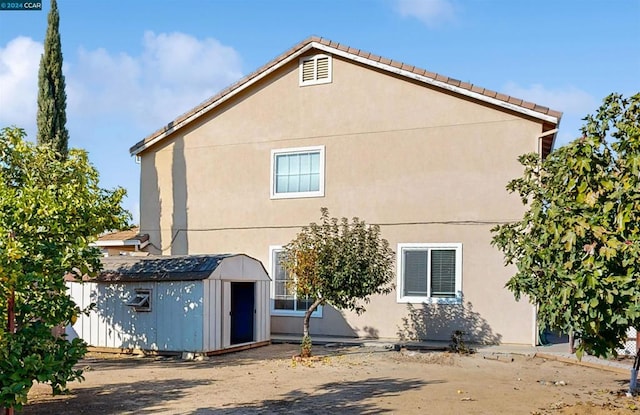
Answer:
(577, 248)
(50, 211)
(340, 263)
(52, 98)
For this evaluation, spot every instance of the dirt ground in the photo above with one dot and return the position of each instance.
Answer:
(354, 380)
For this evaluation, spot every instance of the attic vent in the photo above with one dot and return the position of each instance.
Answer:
(142, 300)
(315, 70)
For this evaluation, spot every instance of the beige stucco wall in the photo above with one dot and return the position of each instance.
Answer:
(426, 165)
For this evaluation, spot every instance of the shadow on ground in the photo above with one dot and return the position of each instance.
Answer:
(105, 361)
(132, 398)
(329, 398)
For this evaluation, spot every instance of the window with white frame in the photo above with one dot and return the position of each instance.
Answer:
(284, 300)
(297, 172)
(315, 70)
(430, 273)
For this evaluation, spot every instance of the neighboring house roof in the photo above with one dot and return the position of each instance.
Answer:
(130, 237)
(176, 268)
(551, 118)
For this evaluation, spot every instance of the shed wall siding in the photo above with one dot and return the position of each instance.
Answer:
(173, 324)
(179, 315)
(263, 319)
(207, 305)
(212, 327)
(225, 319)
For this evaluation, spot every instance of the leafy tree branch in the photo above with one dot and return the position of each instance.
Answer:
(577, 247)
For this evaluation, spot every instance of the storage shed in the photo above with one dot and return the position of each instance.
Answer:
(205, 304)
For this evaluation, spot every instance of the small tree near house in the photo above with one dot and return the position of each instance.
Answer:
(340, 263)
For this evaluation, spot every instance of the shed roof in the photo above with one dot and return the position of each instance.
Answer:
(180, 268)
(549, 117)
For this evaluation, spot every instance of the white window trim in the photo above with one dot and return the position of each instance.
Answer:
(428, 299)
(315, 81)
(296, 195)
(277, 312)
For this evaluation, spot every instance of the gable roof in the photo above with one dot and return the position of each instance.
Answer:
(550, 117)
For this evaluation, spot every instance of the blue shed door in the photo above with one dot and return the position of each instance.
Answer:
(242, 312)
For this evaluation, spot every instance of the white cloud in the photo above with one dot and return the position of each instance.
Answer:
(569, 100)
(19, 61)
(573, 102)
(114, 99)
(173, 73)
(430, 12)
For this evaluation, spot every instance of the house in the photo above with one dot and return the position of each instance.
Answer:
(205, 304)
(425, 156)
(127, 242)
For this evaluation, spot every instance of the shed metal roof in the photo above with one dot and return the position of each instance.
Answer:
(169, 268)
(239, 267)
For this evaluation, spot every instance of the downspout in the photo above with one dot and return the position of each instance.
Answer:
(541, 136)
(536, 332)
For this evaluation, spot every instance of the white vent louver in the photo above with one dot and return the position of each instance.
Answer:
(308, 70)
(315, 70)
(323, 68)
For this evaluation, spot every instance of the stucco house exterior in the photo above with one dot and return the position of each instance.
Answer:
(424, 156)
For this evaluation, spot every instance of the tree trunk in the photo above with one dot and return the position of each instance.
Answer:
(305, 345)
(11, 315)
(307, 316)
(11, 327)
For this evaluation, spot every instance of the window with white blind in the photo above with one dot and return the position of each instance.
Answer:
(297, 172)
(430, 273)
(284, 300)
(315, 70)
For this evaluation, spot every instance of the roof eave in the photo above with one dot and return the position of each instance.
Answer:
(249, 81)
(126, 242)
(315, 43)
(439, 84)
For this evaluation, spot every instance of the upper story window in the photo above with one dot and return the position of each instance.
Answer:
(297, 172)
(315, 70)
(430, 273)
(285, 301)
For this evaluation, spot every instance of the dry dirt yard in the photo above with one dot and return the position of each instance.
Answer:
(352, 380)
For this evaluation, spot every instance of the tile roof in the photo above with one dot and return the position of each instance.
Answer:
(314, 41)
(132, 234)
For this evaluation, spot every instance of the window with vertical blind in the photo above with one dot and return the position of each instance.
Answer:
(297, 172)
(429, 273)
(315, 70)
(284, 300)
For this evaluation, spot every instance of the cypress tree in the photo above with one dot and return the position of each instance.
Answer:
(52, 98)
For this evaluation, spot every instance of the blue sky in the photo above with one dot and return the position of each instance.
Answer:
(133, 66)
